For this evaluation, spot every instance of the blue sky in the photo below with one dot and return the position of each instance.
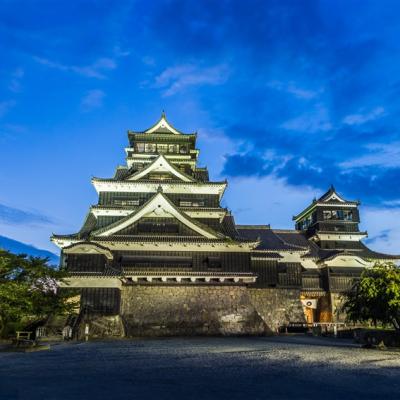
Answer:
(288, 97)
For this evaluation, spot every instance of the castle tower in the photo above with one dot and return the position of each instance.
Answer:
(158, 221)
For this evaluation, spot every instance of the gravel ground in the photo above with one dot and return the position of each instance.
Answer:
(202, 368)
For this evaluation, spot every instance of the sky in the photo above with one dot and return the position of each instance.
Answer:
(287, 97)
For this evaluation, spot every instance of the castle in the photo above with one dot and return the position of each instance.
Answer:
(158, 255)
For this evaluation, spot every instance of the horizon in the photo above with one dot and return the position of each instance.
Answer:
(287, 99)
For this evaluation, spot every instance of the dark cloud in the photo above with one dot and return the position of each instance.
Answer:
(302, 81)
(245, 165)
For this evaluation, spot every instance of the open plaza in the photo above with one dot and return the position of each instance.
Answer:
(297, 367)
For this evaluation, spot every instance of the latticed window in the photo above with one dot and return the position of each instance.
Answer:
(160, 177)
(162, 148)
(140, 147)
(121, 202)
(150, 147)
(191, 203)
(173, 148)
(345, 215)
(183, 149)
(157, 227)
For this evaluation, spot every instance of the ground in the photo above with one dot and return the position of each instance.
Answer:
(296, 367)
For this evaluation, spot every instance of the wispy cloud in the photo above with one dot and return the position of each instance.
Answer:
(377, 154)
(295, 90)
(8, 131)
(11, 215)
(180, 77)
(96, 70)
(15, 83)
(362, 118)
(92, 99)
(316, 120)
(6, 106)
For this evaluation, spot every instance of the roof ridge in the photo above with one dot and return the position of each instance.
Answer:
(266, 227)
(285, 230)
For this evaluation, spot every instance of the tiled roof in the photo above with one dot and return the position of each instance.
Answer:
(165, 238)
(178, 182)
(269, 239)
(359, 250)
(192, 220)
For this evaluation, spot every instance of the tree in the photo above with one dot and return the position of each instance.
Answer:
(29, 289)
(375, 296)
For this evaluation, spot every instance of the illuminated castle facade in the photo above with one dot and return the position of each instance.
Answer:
(159, 255)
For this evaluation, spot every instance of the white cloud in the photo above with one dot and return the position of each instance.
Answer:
(95, 70)
(379, 154)
(295, 90)
(15, 83)
(317, 120)
(178, 78)
(92, 99)
(383, 228)
(362, 118)
(6, 106)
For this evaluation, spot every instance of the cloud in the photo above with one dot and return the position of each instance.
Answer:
(176, 79)
(245, 165)
(15, 83)
(377, 154)
(358, 119)
(6, 106)
(92, 99)
(98, 69)
(11, 131)
(317, 120)
(11, 215)
(295, 90)
(383, 228)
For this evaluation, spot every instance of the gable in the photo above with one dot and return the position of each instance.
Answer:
(160, 166)
(158, 207)
(163, 126)
(333, 197)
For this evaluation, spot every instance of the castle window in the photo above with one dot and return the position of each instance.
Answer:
(306, 222)
(140, 147)
(160, 177)
(173, 148)
(348, 215)
(186, 203)
(338, 215)
(150, 148)
(162, 148)
(121, 202)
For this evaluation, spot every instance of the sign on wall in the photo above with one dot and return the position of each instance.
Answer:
(309, 303)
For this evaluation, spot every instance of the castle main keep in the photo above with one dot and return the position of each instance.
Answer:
(158, 255)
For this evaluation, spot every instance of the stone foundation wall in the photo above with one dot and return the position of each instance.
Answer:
(189, 310)
(277, 307)
(198, 310)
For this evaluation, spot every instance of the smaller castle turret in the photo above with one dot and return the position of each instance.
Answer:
(331, 221)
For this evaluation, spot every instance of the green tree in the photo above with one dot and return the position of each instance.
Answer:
(28, 290)
(375, 296)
